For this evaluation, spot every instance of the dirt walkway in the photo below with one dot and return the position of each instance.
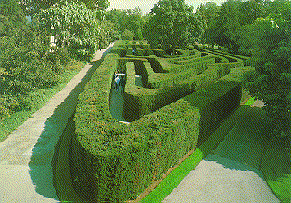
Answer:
(231, 173)
(26, 155)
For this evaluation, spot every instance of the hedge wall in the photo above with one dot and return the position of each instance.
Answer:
(140, 101)
(179, 82)
(112, 162)
(193, 54)
(107, 158)
(193, 60)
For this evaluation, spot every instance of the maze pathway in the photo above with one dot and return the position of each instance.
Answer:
(116, 103)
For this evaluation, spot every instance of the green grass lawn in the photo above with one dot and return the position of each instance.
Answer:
(40, 97)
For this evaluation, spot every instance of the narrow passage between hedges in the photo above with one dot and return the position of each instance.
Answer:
(116, 100)
(116, 103)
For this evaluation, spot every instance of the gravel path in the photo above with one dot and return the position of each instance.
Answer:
(26, 155)
(230, 173)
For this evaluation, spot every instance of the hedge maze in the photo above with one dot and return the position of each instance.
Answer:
(182, 100)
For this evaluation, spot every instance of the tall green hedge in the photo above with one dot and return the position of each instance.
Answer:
(109, 159)
(141, 101)
(193, 60)
(114, 162)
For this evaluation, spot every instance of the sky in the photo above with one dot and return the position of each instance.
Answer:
(147, 5)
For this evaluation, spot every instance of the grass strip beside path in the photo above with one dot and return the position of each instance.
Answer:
(41, 97)
(178, 174)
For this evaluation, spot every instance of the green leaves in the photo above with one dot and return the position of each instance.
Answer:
(170, 24)
(74, 26)
(123, 20)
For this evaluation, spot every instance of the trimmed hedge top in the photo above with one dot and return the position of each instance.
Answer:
(115, 162)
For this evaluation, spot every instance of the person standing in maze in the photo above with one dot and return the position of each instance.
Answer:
(117, 81)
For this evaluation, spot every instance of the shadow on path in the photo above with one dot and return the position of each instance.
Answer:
(44, 154)
(248, 145)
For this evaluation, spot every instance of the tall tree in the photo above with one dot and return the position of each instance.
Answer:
(24, 62)
(127, 20)
(269, 40)
(226, 26)
(207, 15)
(74, 26)
(169, 24)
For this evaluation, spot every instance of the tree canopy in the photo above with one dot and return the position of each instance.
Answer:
(35, 6)
(25, 64)
(269, 41)
(127, 20)
(170, 24)
(74, 26)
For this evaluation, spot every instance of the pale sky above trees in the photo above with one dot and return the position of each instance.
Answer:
(147, 5)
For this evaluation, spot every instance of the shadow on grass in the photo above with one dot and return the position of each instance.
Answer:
(45, 152)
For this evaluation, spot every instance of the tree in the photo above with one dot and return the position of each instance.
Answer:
(270, 42)
(24, 62)
(35, 6)
(74, 26)
(226, 24)
(207, 15)
(108, 33)
(127, 35)
(169, 24)
(130, 19)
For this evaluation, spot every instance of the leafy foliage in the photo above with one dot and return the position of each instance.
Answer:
(74, 26)
(128, 158)
(224, 25)
(127, 20)
(206, 15)
(25, 64)
(271, 49)
(32, 7)
(261, 29)
(171, 24)
(127, 35)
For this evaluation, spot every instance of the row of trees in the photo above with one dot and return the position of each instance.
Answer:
(257, 28)
(261, 29)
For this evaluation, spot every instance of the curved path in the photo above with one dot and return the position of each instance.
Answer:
(27, 155)
(231, 173)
